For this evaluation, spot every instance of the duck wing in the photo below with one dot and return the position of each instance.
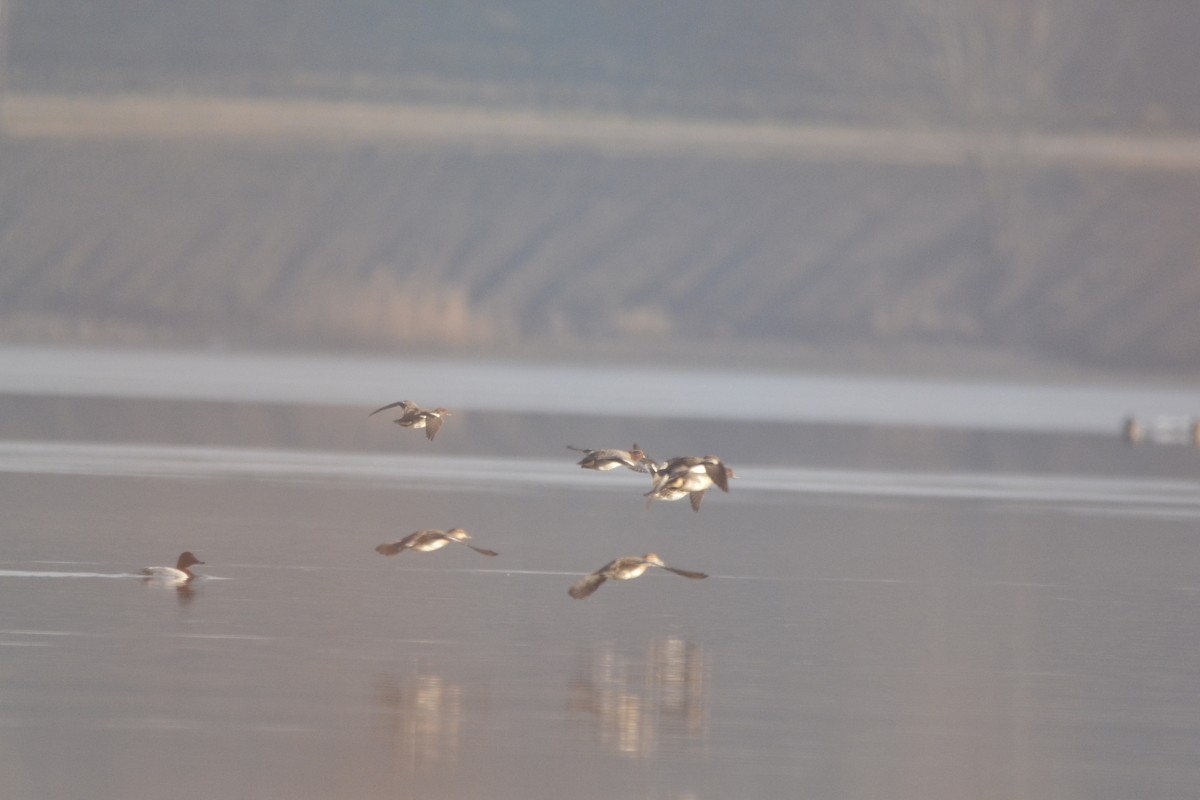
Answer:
(687, 573)
(586, 585)
(718, 474)
(398, 404)
(390, 549)
(645, 464)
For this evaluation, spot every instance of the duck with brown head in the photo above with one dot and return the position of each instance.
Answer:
(689, 476)
(611, 458)
(413, 416)
(180, 573)
(625, 568)
(429, 540)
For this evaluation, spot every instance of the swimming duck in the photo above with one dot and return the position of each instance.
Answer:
(688, 476)
(607, 459)
(414, 416)
(428, 541)
(625, 568)
(180, 573)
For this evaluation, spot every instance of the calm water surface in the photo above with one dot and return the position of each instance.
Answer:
(891, 612)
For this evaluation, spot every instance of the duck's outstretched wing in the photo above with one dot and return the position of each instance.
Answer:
(433, 424)
(480, 550)
(687, 573)
(398, 404)
(586, 585)
(624, 460)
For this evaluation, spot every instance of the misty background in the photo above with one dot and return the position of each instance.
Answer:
(868, 182)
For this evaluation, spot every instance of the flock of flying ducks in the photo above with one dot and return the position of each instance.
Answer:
(674, 479)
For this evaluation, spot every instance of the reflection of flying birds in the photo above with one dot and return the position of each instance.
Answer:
(607, 459)
(689, 476)
(414, 416)
(625, 568)
(180, 573)
(428, 541)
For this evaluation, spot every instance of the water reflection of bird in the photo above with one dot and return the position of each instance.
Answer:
(637, 702)
(184, 593)
(426, 716)
(689, 476)
(428, 541)
(414, 416)
(611, 458)
(625, 568)
(181, 573)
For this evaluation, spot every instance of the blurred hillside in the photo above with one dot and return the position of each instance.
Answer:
(469, 175)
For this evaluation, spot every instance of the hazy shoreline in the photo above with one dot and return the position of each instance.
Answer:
(286, 121)
(674, 392)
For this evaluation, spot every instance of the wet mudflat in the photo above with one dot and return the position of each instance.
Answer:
(995, 616)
